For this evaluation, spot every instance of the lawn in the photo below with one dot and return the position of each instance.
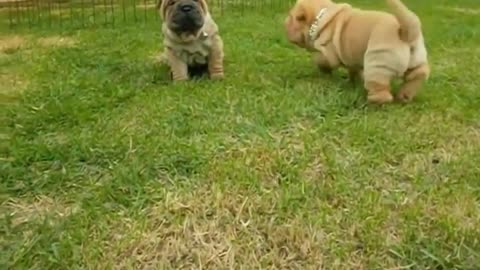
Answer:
(105, 164)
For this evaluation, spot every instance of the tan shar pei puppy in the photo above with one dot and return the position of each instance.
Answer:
(191, 39)
(376, 45)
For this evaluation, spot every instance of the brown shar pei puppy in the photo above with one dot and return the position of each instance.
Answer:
(191, 39)
(376, 45)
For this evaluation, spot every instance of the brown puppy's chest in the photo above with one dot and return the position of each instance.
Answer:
(195, 53)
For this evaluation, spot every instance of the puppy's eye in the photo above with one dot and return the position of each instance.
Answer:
(171, 3)
(301, 18)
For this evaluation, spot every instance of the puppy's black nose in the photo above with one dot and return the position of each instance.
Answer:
(186, 8)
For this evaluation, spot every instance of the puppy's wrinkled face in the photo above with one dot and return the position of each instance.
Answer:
(300, 18)
(296, 26)
(184, 16)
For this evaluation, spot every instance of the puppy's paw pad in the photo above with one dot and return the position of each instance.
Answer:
(380, 98)
(180, 79)
(404, 97)
(217, 76)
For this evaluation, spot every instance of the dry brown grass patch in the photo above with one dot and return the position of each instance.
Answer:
(61, 14)
(147, 5)
(57, 41)
(23, 211)
(462, 140)
(469, 11)
(463, 211)
(211, 229)
(9, 44)
(12, 85)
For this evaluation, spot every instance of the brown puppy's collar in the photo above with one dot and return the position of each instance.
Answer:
(325, 15)
(187, 37)
(313, 31)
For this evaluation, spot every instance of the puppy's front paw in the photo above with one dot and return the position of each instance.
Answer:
(217, 76)
(382, 97)
(404, 97)
(178, 77)
(181, 79)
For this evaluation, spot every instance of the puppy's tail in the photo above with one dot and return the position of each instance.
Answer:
(410, 25)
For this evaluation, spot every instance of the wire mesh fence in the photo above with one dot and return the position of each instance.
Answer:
(83, 13)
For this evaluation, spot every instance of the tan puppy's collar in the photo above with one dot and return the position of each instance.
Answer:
(325, 15)
(313, 31)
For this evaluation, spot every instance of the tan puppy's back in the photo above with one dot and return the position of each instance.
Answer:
(359, 27)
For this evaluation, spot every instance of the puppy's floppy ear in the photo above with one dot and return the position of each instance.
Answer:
(161, 8)
(298, 13)
(159, 4)
(204, 5)
(303, 16)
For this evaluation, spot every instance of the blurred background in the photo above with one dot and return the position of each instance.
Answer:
(88, 13)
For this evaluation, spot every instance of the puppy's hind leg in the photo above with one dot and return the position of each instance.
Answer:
(414, 78)
(378, 93)
(378, 77)
(378, 88)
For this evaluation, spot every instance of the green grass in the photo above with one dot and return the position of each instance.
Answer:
(106, 164)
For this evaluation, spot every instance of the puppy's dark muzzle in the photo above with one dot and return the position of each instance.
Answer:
(187, 17)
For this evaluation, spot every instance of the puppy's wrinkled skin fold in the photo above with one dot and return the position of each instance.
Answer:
(375, 45)
(191, 38)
